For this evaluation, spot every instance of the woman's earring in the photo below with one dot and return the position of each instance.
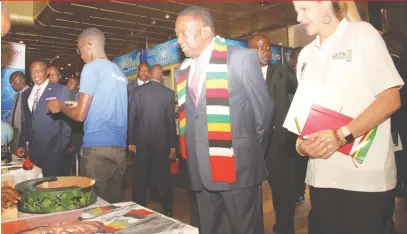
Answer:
(326, 19)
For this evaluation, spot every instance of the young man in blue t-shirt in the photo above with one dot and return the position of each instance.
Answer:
(103, 106)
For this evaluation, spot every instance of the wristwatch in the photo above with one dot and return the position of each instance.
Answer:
(347, 134)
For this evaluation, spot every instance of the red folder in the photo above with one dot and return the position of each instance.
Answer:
(321, 118)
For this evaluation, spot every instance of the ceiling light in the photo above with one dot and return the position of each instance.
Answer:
(66, 78)
(153, 22)
(280, 43)
(167, 16)
(69, 64)
(61, 68)
(21, 42)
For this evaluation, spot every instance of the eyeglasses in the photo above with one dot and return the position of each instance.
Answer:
(79, 48)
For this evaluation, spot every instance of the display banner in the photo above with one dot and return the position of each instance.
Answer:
(286, 55)
(236, 43)
(128, 63)
(12, 59)
(276, 56)
(166, 53)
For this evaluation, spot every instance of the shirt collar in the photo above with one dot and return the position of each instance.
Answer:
(24, 89)
(340, 30)
(206, 54)
(140, 82)
(42, 86)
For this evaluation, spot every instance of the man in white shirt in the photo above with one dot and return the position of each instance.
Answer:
(47, 134)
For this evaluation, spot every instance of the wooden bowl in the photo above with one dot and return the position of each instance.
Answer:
(56, 194)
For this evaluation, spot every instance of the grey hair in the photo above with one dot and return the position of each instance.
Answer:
(199, 13)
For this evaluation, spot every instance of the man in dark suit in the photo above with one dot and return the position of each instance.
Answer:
(48, 134)
(152, 136)
(396, 43)
(19, 83)
(143, 76)
(281, 154)
(225, 119)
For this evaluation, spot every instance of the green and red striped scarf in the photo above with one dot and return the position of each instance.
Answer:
(221, 154)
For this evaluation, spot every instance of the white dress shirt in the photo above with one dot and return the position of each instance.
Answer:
(140, 82)
(203, 61)
(34, 90)
(264, 70)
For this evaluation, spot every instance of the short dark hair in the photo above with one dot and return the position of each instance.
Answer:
(295, 52)
(75, 78)
(143, 64)
(199, 13)
(18, 74)
(39, 61)
(396, 42)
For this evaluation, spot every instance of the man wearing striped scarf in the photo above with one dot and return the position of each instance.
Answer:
(225, 118)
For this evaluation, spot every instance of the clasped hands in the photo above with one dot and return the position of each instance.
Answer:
(172, 155)
(321, 144)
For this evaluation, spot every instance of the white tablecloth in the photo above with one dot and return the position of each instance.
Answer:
(14, 169)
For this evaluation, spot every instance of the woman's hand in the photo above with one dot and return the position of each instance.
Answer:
(321, 144)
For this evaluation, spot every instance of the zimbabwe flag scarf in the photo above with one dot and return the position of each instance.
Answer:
(221, 156)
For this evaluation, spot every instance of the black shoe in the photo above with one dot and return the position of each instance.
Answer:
(300, 200)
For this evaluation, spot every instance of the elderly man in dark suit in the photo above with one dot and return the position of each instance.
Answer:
(281, 155)
(152, 136)
(48, 134)
(225, 119)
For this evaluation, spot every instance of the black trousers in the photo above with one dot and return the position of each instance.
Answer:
(301, 171)
(335, 211)
(238, 211)
(283, 177)
(152, 164)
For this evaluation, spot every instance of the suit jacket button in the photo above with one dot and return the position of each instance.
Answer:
(274, 127)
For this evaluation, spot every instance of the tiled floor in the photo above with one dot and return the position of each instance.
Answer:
(181, 209)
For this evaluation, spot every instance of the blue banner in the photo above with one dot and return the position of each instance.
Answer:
(286, 55)
(236, 43)
(276, 56)
(166, 53)
(128, 63)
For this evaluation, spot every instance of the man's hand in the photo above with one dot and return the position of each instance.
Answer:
(54, 106)
(70, 148)
(20, 151)
(172, 153)
(8, 195)
(132, 148)
(321, 144)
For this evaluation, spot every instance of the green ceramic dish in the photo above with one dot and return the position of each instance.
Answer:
(55, 194)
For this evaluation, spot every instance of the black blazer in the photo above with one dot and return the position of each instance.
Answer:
(152, 116)
(398, 119)
(282, 83)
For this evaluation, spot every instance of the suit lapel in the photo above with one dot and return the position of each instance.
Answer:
(41, 102)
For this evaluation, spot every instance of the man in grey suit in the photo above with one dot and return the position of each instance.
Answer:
(281, 157)
(225, 153)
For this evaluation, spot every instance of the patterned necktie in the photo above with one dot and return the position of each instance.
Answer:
(194, 84)
(36, 99)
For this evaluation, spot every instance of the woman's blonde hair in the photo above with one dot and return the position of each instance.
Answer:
(346, 9)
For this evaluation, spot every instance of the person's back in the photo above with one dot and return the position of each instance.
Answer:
(106, 123)
(152, 124)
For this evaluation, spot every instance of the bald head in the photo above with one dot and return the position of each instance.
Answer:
(157, 73)
(260, 43)
(53, 74)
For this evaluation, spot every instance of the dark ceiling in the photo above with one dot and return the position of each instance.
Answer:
(129, 25)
